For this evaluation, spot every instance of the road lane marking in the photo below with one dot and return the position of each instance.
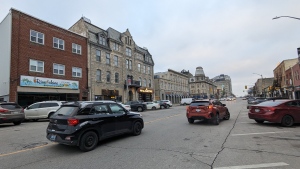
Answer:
(264, 165)
(148, 122)
(245, 134)
(16, 152)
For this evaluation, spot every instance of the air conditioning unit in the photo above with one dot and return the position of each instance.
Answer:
(192, 79)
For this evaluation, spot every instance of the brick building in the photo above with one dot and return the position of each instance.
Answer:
(118, 68)
(40, 61)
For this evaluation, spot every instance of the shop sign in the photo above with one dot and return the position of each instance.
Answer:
(145, 90)
(32, 81)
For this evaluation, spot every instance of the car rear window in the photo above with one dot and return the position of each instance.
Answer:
(66, 110)
(271, 103)
(199, 104)
(10, 106)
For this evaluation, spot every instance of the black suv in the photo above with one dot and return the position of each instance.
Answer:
(85, 123)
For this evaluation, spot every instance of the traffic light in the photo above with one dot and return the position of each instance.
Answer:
(245, 86)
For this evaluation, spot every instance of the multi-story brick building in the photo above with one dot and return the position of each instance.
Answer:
(118, 68)
(171, 85)
(40, 61)
(201, 86)
(280, 76)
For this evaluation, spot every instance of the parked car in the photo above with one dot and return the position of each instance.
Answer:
(255, 101)
(185, 101)
(127, 107)
(136, 105)
(11, 112)
(42, 110)
(162, 105)
(286, 112)
(84, 124)
(207, 110)
(152, 105)
(168, 102)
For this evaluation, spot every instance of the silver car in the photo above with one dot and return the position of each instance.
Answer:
(11, 112)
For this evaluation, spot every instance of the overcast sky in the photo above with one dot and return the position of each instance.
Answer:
(232, 37)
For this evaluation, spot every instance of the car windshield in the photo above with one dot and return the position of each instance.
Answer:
(10, 106)
(66, 110)
(271, 103)
(199, 104)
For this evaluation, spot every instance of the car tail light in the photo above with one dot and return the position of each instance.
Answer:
(73, 122)
(210, 107)
(4, 110)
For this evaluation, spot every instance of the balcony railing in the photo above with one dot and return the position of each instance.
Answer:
(133, 83)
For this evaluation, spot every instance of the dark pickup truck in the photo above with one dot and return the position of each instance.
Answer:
(137, 106)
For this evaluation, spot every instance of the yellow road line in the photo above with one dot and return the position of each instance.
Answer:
(16, 152)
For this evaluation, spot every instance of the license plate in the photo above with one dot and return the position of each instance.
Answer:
(53, 137)
(198, 110)
(256, 110)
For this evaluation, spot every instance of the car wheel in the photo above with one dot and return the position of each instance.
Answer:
(17, 122)
(287, 121)
(153, 108)
(259, 121)
(88, 141)
(227, 115)
(190, 120)
(137, 128)
(50, 114)
(139, 109)
(216, 120)
(161, 107)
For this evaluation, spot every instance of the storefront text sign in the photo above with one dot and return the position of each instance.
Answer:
(32, 81)
(145, 90)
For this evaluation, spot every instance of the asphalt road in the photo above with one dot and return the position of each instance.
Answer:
(167, 141)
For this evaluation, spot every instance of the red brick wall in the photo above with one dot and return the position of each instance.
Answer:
(22, 50)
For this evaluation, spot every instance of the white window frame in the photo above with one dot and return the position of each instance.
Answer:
(102, 40)
(139, 67)
(98, 77)
(107, 59)
(35, 63)
(77, 71)
(37, 37)
(59, 68)
(99, 55)
(76, 48)
(59, 42)
(116, 60)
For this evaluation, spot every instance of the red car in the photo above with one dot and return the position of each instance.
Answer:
(286, 112)
(207, 110)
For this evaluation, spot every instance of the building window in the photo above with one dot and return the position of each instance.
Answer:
(76, 72)
(116, 46)
(116, 77)
(58, 43)
(36, 37)
(116, 61)
(98, 75)
(145, 83)
(76, 48)
(139, 67)
(107, 76)
(130, 64)
(149, 70)
(127, 64)
(128, 52)
(140, 79)
(107, 58)
(58, 69)
(102, 40)
(149, 82)
(98, 55)
(144, 69)
(36, 66)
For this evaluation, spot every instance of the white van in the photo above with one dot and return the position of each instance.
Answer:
(185, 101)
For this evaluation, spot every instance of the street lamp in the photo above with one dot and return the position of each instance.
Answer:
(277, 17)
(261, 81)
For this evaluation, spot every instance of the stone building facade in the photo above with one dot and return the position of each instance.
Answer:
(262, 87)
(171, 85)
(201, 86)
(224, 86)
(40, 61)
(118, 68)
